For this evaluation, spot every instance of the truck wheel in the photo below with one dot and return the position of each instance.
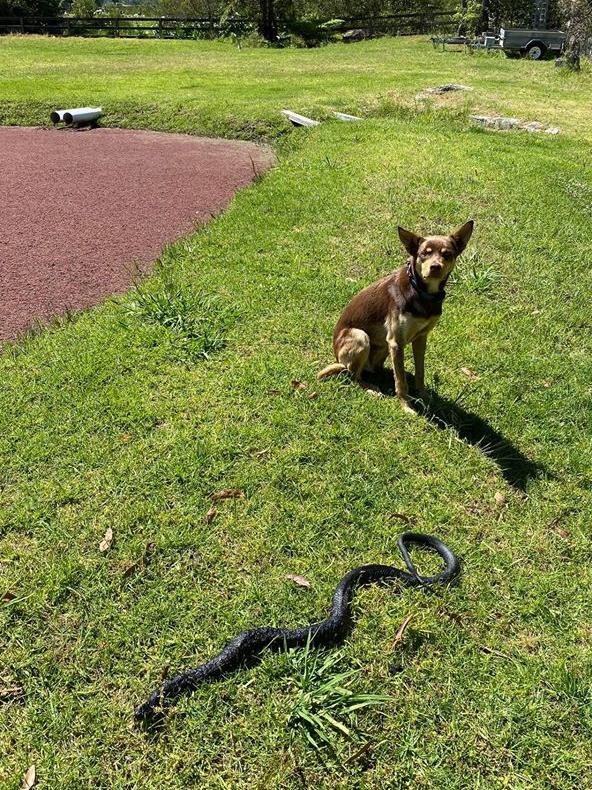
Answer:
(535, 51)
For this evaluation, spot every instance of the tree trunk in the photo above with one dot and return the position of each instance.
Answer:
(462, 25)
(485, 18)
(575, 28)
(267, 22)
(572, 54)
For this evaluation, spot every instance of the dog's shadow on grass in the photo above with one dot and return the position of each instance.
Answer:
(516, 468)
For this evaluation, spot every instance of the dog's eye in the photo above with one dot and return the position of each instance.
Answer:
(428, 251)
(447, 254)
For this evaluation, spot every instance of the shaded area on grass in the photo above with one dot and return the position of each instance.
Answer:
(446, 414)
(516, 468)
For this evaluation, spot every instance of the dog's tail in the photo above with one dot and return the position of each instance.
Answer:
(331, 370)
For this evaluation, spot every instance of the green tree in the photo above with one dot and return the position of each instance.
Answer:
(467, 16)
(508, 13)
(83, 8)
(30, 8)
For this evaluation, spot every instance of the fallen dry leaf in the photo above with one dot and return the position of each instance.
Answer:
(312, 395)
(11, 693)
(499, 499)
(490, 651)
(401, 517)
(368, 746)
(401, 631)
(555, 523)
(28, 778)
(547, 384)
(105, 544)
(210, 515)
(8, 596)
(298, 385)
(470, 374)
(141, 562)
(228, 493)
(131, 569)
(298, 580)
(125, 438)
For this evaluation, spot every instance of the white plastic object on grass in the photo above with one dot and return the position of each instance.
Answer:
(344, 116)
(77, 115)
(299, 120)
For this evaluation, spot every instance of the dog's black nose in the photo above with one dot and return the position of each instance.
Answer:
(435, 268)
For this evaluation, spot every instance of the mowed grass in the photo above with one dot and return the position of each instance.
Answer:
(213, 88)
(115, 420)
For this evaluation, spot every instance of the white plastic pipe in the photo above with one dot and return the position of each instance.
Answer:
(57, 116)
(76, 115)
(82, 115)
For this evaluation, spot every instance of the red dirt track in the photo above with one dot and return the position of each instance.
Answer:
(81, 211)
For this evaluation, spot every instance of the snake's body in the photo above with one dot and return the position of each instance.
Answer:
(248, 645)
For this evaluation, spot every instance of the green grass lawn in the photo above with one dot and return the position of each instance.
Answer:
(214, 88)
(114, 420)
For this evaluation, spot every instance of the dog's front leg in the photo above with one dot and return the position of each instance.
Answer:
(398, 361)
(419, 347)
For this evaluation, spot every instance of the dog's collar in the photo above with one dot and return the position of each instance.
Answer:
(419, 286)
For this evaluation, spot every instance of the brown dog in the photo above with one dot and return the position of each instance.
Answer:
(401, 308)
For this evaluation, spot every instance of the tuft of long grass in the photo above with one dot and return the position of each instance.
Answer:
(196, 321)
(326, 705)
(477, 275)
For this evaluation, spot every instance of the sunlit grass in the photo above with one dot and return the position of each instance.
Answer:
(210, 87)
(105, 424)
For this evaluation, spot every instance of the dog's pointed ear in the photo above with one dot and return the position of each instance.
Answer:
(461, 235)
(411, 241)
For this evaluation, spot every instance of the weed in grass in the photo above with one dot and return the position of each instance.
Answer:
(326, 704)
(573, 685)
(196, 321)
(478, 277)
(581, 194)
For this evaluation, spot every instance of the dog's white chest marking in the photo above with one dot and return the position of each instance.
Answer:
(404, 328)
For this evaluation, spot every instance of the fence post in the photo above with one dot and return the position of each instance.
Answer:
(22, 21)
(117, 27)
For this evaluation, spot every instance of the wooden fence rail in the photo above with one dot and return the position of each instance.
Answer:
(195, 27)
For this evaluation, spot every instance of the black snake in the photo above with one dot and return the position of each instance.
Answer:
(248, 645)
